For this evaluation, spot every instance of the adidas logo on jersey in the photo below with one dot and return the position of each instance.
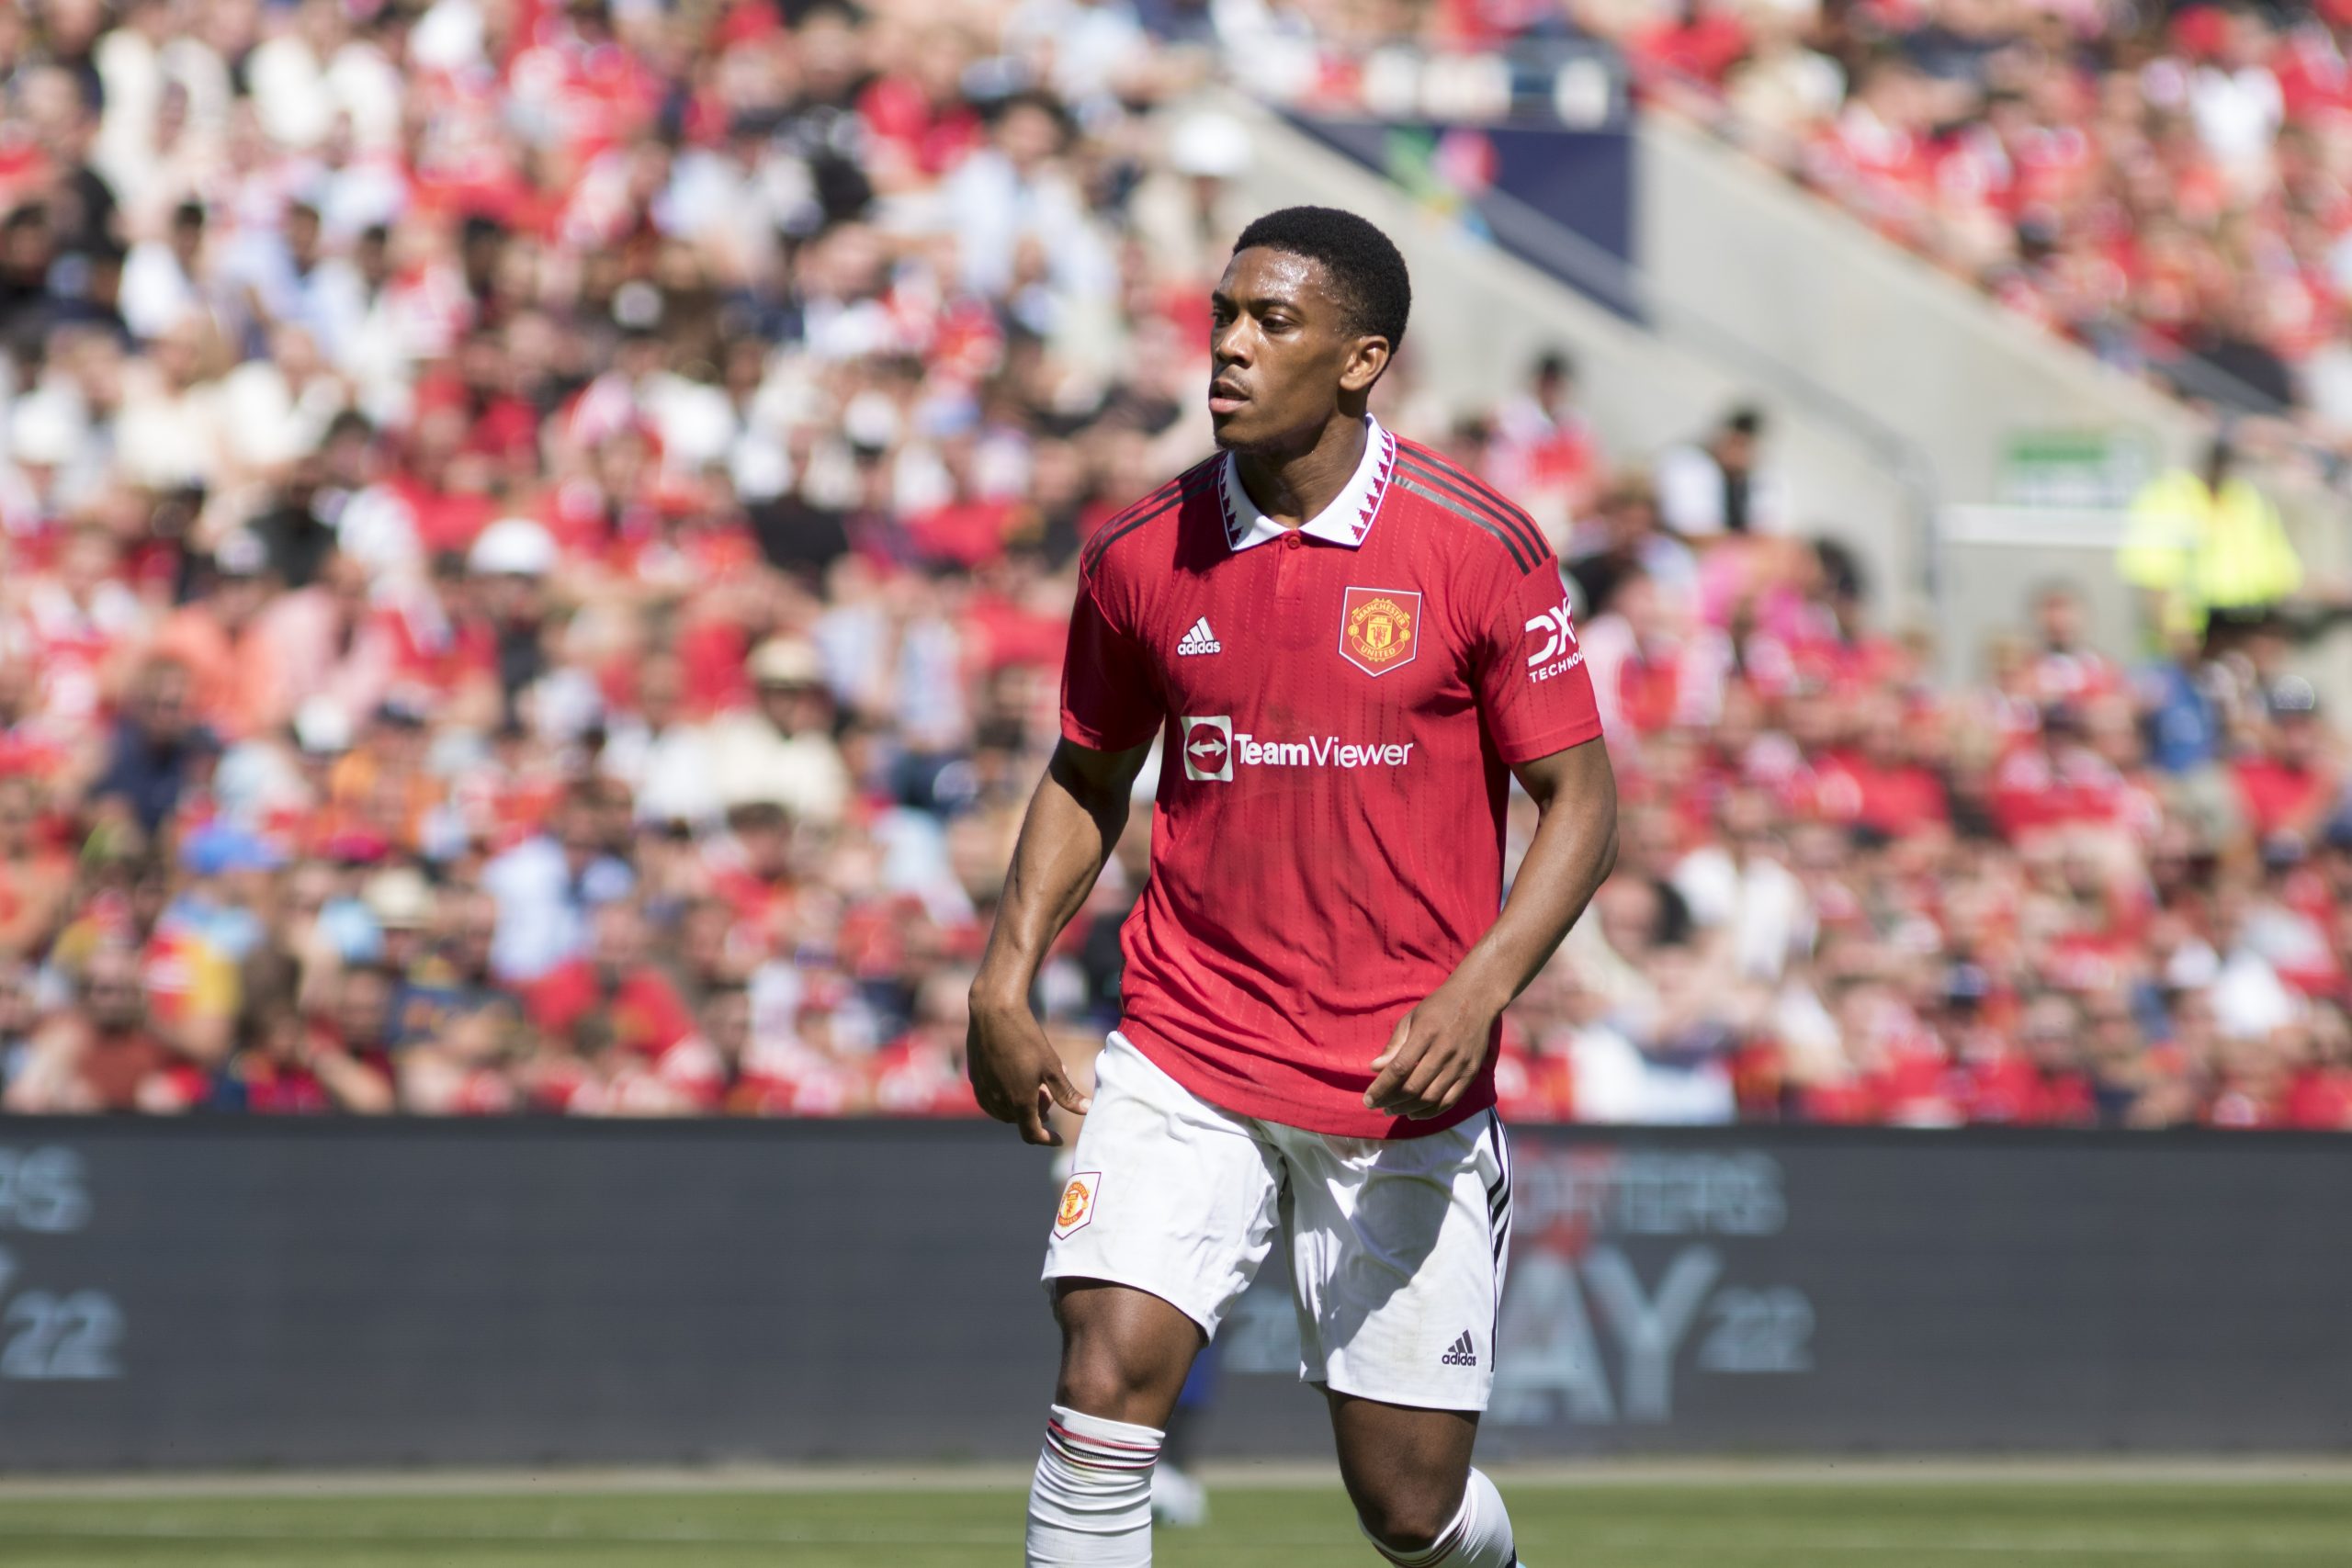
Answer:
(1200, 639)
(1464, 1353)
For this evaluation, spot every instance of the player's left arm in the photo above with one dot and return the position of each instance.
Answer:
(1438, 1048)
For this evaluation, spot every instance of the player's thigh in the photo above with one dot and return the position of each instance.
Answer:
(1167, 1194)
(1397, 1249)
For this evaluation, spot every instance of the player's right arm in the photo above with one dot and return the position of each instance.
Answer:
(1074, 823)
(1111, 710)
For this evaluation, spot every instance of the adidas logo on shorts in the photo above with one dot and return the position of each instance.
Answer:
(1464, 1353)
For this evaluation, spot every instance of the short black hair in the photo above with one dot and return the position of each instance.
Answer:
(1365, 269)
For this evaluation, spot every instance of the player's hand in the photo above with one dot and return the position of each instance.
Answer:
(1016, 1073)
(1432, 1058)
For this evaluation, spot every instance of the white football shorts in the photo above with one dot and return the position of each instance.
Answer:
(1398, 1245)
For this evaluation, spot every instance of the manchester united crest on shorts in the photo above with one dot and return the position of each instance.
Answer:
(1078, 1203)
(1380, 628)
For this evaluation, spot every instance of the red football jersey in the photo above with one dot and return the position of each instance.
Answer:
(1339, 703)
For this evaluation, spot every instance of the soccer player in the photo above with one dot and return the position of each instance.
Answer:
(1348, 647)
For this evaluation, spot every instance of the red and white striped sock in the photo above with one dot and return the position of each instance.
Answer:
(1089, 1506)
(1479, 1536)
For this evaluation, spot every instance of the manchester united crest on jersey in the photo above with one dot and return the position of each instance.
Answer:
(1380, 628)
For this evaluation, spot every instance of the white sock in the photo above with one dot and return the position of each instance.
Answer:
(1479, 1536)
(1089, 1506)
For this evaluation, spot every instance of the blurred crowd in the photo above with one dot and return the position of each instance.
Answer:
(2074, 893)
(534, 547)
(2169, 185)
(533, 533)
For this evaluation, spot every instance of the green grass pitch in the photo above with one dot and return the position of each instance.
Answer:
(1823, 1523)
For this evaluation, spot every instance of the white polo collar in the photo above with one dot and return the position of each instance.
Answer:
(1345, 522)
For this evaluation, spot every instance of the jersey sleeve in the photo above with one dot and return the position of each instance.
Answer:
(1109, 702)
(1533, 689)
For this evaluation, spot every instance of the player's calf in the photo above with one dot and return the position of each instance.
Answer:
(1089, 1503)
(1408, 1471)
(1125, 1354)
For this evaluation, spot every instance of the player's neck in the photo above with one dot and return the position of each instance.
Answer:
(1291, 487)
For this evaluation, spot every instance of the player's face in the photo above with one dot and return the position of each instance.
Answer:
(1281, 357)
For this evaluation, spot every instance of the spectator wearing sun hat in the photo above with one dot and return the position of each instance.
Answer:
(780, 751)
(514, 556)
(402, 903)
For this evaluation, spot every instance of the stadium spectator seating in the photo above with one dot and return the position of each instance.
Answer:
(534, 542)
(2166, 184)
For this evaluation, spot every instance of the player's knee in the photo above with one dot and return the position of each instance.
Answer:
(1124, 1354)
(1102, 1378)
(1406, 1518)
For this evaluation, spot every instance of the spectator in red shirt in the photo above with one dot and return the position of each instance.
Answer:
(1699, 41)
(1877, 784)
(2065, 668)
(36, 878)
(352, 1015)
(2289, 784)
(921, 1072)
(467, 1070)
(2253, 1080)
(2319, 1096)
(284, 1067)
(634, 1007)
(108, 1055)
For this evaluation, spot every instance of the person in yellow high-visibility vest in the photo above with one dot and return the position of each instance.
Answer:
(2206, 544)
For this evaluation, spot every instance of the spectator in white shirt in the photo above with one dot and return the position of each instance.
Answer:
(1717, 487)
(159, 275)
(1740, 893)
(2236, 102)
(781, 752)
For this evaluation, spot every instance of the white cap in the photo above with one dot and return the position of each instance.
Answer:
(513, 546)
(1211, 146)
(322, 727)
(788, 661)
(241, 554)
(399, 897)
(47, 427)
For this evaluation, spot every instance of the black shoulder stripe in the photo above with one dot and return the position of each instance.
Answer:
(1469, 490)
(1112, 532)
(1176, 492)
(1126, 514)
(1469, 515)
(1165, 488)
(1501, 507)
(1474, 493)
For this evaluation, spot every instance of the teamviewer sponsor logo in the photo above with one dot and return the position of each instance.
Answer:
(1321, 752)
(1212, 750)
(1208, 748)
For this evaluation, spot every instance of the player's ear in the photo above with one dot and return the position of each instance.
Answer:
(1366, 360)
